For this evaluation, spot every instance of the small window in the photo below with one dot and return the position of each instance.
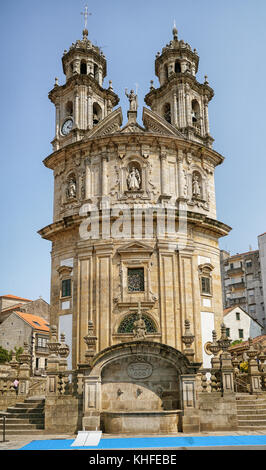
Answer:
(177, 67)
(83, 68)
(228, 332)
(167, 112)
(36, 323)
(135, 277)
(66, 288)
(237, 316)
(241, 334)
(205, 285)
(249, 264)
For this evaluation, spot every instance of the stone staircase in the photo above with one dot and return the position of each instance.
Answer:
(251, 412)
(24, 418)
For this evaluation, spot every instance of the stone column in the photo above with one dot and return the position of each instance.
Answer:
(188, 106)
(87, 179)
(181, 107)
(175, 112)
(215, 362)
(104, 175)
(206, 116)
(24, 371)
(52, 363)
(57, 119)
(254, 374)
(163, 158)
(227, 370)
(89, 110)
(76, 108)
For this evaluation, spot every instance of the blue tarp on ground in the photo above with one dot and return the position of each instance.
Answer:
(150, 442)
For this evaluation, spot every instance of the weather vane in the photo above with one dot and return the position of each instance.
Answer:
(85, 14)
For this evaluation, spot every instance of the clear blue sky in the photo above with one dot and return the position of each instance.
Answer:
(230, 37)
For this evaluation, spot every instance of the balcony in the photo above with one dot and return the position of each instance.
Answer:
(235, 270)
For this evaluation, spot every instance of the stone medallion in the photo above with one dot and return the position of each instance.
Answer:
(139, 370)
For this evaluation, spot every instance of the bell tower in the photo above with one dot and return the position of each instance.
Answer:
(181, 100)
(82, 102)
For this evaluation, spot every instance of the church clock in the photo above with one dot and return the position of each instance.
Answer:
(67, 126)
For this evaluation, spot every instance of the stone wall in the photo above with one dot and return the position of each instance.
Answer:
(63, 414)
(217, 413)
(159, 391)
(9, 399)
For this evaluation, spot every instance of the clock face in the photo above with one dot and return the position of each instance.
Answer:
(67, 126)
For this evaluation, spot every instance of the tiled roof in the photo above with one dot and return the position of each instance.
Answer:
(257, 339)
(13, 307)
(238, 255)
(14, 297)
(36, 322)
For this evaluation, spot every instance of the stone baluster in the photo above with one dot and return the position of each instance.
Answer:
(204, 384)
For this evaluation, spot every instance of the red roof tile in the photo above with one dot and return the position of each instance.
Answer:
(36, 322)
(14, 297)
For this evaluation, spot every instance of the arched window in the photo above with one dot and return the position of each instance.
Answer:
(167, 112)
(177, 66)
(127, 324)
(83, 67)
(195, 108)
(97, 113)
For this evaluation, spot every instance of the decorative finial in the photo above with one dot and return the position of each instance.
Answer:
(175, 31)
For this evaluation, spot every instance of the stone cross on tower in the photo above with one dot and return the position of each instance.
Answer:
(85, 14)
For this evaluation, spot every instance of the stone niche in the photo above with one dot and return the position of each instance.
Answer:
(140, 394)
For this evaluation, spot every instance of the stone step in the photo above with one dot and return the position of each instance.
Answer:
(252, 423)
(23, 421)
(251, 412)
(250, 408)
(253, 417)
(21, 427)
(22, 432)
(34, 400)
(253, 428)
(29, 405)
(21, 410)
(29, 416)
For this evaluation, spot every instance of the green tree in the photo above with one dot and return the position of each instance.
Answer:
(5, 356)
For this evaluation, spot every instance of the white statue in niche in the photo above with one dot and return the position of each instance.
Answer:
(71, 190)
(133, 179)
(196, 187)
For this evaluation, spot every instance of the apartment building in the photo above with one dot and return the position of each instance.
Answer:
(242, 283)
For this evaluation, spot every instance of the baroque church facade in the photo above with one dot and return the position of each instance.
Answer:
(135, 275)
